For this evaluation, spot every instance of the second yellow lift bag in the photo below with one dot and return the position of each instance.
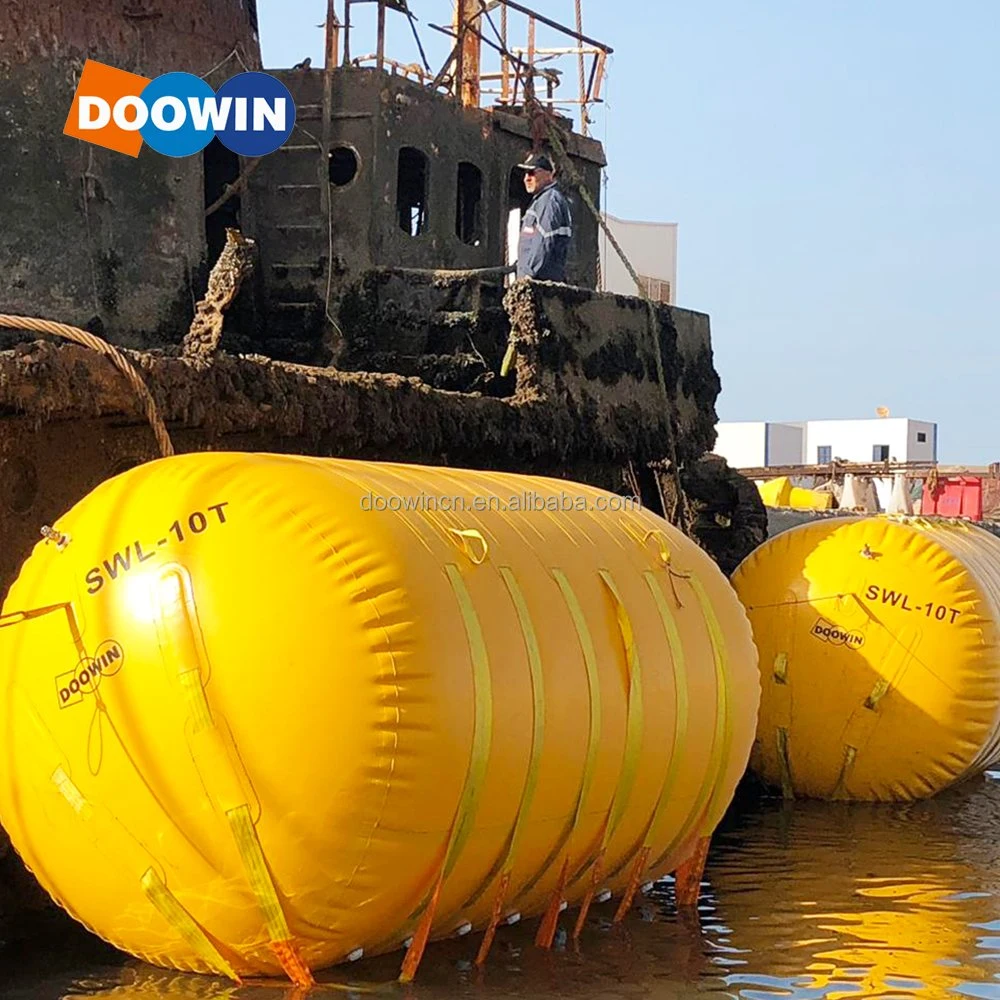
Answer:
(262, 708)
(878, 655)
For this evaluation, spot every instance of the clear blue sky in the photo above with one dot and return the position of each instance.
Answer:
(834, 167)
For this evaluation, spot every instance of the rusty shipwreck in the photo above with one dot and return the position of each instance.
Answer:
(358, 304)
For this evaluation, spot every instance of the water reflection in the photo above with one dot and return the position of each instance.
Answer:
(846, 901)
(809, 901)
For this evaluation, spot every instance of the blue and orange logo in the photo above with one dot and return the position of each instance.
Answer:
(178, 114)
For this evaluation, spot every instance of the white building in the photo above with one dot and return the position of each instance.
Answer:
(757, 444)
(893, 439)
(751, 444)
(652, 249)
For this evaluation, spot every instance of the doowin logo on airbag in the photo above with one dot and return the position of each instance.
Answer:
(178, 114)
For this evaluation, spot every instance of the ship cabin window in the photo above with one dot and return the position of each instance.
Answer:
(880, 453)
(922, 437)
(221, 170)
(824, 454)
(468, 209)
(411, 191)
(343, 165)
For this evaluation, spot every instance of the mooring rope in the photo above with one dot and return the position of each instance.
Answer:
(679, 515)
(85, 339)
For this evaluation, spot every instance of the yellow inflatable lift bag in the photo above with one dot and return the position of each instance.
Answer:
(266, 713)
(878, 652)
(781, 493)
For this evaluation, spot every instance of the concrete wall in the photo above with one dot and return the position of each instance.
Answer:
(743, 444)
(922, 439)
(650, 246)
(89, 236)
(853, 440)
(752, 444)
(785, 444)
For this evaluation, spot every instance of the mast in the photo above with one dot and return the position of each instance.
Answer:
(467, 62)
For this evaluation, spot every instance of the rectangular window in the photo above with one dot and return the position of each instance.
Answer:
(468, 210)
(880, 453)
(656, 289)
(411, 191)
(824, 454)
(922, 437)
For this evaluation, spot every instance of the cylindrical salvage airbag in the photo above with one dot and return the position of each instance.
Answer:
(879, 664)
(261, 702)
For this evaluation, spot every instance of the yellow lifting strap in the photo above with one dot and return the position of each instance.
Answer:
(865, 718)
(630, 758)
(782, 684)
(183, 649)
(850, 753)
(722, 739)
(167, 905)
(505, 859)
(784, 762)
(475, 775)
(155, 889)
(635, 720)
(593, 739)
(780, 672)
(681, 703)
(723, 716)
(251, 853)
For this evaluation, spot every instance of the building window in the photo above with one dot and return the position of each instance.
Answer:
(824, 454)
(880, 453)
(922, 437)
(656, 289)
(343, 165)
(411, 191)
(469, 202)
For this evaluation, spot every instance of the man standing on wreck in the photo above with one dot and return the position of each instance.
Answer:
(548, 224)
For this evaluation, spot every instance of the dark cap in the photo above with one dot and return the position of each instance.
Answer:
(537, 161)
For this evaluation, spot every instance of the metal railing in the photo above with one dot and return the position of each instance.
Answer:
(473, 28)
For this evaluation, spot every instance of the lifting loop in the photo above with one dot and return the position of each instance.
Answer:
(475, 775)
(472, 543)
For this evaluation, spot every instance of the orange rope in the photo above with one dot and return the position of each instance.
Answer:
(412, 961)
(487, 943)
(688, 875)
(595, 877)
(547, 928)
(292, 962)
(82, 337)
(633, 884)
